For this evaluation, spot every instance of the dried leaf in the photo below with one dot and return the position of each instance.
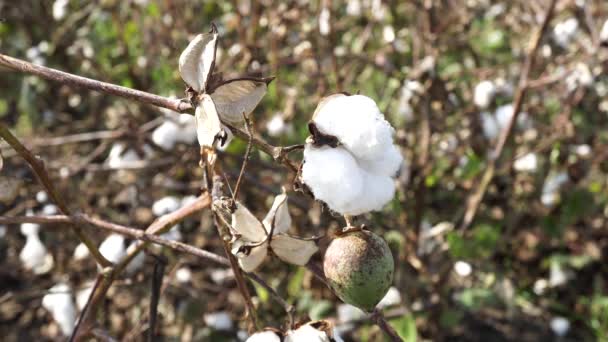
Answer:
(293, 250)
(208, 125)
(238, 97)
(250, 258)
(9, 189)
(278, 215)
(198, 59)
(247, 225)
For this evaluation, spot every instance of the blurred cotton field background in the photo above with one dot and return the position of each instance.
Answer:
(530, 267)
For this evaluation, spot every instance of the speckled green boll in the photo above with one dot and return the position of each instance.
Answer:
(359, 267)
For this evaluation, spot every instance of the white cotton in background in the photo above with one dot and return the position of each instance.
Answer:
(604, 32)
(324, 26)
(34, 255)
(42, 197)
(582, 150)
(551, 188)
(177, 128)
(391, 298)
(276, 126)
(306, 333)
(580, 76)
(60, 9)
(174, 234)
(560, 326)
(493, 124)
(183, 275)
(50, 209)
(113, 248)
(221, 275)
(353, 8)
(220, 320)
(489, 125)
(526, 163)
(264, 336)
(59, 303)
(118, 158)
(349, 313)
(564, 31)
(166, 205)
(463, 268)
(404, 105)
(81, 252)
(82, 295)
(557, 274)
(484, 94)
(2, 231)
(324, 168)
(540, 286)
(138, 260)
(388, 34)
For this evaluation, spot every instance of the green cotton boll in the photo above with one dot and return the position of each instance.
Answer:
(359, 268)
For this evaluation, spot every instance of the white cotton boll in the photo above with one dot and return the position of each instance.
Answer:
(42, 197)
(392, 297)
(2, 231)
(484, 94)
(220, 320)
(463, 268)
(353, 8)
(183, 275)
(325, 168)
(582, 150)
(276, 126)
(388, 34)
(489, 125)
(581, 76)
(82, 295)
(28, 229)
(604, 32)
(59, 303)
(360, 126)
(306, 333)
(564, 31)
(540, 286)
(264, 336)
(557, 275)
(175, 130)
(118, 158)
(113, 248)
(221, 275)
(560, 326)
(527, 163)
(550, 193)
(377, 191)
(34, 255)
(324, 26)
(81, 252)
(50, 209)
(166, 205)
(349, 313)
(60, 9)
(138, 260)
(386, 166)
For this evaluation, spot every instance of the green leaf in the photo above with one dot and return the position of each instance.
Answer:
(405, 326)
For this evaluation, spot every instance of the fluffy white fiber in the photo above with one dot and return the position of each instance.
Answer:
(180, 129)
(355, 177)
(61, 306)
(484, 93)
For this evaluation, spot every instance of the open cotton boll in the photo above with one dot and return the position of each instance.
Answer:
(264, 336)
(564, 31)
(82, 295)
(172, 131)
(28, 229)
(392, 297)
(119, 158)
(34, 255)
(560, 326)
(484, 94)
(59, 303)
(324, 168)
(81, 252)
(527, 163)
(113, 248)
(220, 320)
(377, 191)
(306, 333)
(166, 205)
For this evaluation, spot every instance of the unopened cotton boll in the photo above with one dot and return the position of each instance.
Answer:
(113, 248)
(484, 94)
(306, 333)
(220, 320)
(166, 205)
(59, 303)
(264, 336)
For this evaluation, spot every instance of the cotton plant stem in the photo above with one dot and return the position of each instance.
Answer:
(381, 322)
(176, 105)
(476, 197)
(37, 166)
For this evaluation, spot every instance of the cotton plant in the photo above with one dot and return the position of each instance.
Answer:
(216, 99)
(315, 331)
(173, 130)
(253, 240)
(350, 160)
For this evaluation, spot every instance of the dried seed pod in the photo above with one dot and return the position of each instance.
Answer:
(359, 267)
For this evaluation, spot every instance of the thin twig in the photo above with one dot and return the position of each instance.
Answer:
(37, 166)
(476, 197)
(245, 159)
(75, 333)
(379, 319)
(157, 281)
(289, 309)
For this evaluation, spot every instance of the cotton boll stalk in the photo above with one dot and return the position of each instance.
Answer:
(484, 94)
(59, 303)
(113, 248)
(220, 320)
(264, 336)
